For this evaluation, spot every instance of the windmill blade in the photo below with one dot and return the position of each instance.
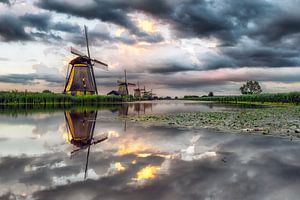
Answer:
(100, 66)
(76, 52)
(87, 40)
(120, 82)
(99, 62)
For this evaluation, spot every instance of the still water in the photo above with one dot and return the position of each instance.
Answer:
(96, 154)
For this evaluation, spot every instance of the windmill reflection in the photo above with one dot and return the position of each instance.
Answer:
(80, 128)
(134, 108)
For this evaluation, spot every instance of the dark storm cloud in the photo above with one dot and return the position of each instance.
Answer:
(250, 55)
(12, 29)
(99, 38)
(115, 12)
(66, 27)
(277, 27)
(229, 21)
(107, 11)
(30, 78)
(171, 68)
(39, 21)
(5, 2)
(262, 56)
(188, 17)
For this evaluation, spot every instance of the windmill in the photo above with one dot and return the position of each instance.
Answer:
(80, 78)
(148, 94)
(138, 91)
(123, 85)
(80, 130)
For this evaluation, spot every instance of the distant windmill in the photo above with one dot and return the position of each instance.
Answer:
(147, 94)
(80, 79)
(138, 91)
(123, 85)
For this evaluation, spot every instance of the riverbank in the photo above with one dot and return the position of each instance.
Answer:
(277, 121)
(37, 99)
(291, 98)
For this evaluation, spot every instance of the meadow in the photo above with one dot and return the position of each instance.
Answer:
(281, 98)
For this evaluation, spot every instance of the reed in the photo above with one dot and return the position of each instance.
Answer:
(281, 98)
(38, 99)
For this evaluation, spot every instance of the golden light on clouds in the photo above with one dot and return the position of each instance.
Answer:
(147, 25)
(119, 166)
(131, 49)
(66, 137)
(68, 59)
(148, 172)
(119, 32)
(113, 134)
(144, 155)
(132, 148)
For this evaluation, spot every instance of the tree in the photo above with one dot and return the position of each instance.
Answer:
(210, 94)
(251, 87)
(46, 91)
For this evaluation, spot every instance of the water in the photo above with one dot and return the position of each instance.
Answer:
(98, 155)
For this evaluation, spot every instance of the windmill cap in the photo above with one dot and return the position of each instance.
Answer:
(80, 60)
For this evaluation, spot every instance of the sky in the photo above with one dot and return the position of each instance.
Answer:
(175, 47)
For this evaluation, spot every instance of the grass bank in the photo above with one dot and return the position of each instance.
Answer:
(27, 109)
(61, 100)
(278, 121)
(291, 98)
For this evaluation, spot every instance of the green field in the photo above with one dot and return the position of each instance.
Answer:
(285, 98)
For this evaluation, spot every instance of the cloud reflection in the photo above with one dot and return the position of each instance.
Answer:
(135, 162)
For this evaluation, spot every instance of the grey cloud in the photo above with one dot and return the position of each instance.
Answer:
(66, 27)
(5, 2)
(224, 20)
(171, 68)
(4, 59)
(229, 21)
(11, 29)
(39, 21)
(29, 78)
(277, 27)
(111, 11)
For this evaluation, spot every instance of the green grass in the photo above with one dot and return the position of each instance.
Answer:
(27, 109)
(61, 100)
(276, 98)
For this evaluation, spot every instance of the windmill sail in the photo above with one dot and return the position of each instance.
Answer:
(123, 85)
(76, 52)
(81, 78)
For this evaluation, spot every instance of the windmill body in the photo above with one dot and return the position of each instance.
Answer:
(138, 91)
(80, 126)
(80, 78)
(123, 86)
